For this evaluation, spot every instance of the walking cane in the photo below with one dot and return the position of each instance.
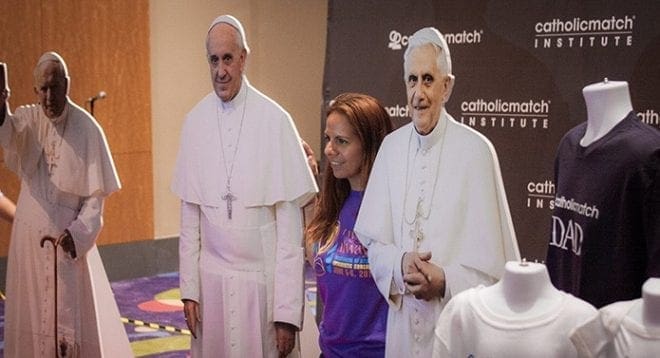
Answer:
(53, 242)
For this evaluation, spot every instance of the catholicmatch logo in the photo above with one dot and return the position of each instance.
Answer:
(397, 40)
(650, 117)
(541, 194)
(398, 111)
(585, 33)
(566, 235)
(500, 113)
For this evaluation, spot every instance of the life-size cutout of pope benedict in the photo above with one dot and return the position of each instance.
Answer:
(434, 216)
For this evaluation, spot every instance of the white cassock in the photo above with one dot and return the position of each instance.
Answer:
(246, 272)
(66, 171)
(442, 193)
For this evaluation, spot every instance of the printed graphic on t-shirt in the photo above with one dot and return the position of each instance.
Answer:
(568, 234)
(346, 258)
(585, 209)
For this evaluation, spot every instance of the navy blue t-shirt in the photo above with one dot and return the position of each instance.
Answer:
(605, 238)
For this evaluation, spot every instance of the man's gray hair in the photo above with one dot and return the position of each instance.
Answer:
(233, 22)
(52, 56)
(430, 35)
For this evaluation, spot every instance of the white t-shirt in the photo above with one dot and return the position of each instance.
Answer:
(467, 327)
(614, 334)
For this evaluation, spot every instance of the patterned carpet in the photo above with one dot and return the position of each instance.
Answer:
(141, 301)
(152, 306)
(151, 310)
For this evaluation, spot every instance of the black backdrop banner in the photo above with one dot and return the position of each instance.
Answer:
(520, 67)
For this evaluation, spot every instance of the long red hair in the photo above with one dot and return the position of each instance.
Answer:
(371, 123)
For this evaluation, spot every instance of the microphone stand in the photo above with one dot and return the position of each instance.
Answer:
(91, 106)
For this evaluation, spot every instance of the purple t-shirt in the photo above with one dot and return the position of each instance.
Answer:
(355, 313)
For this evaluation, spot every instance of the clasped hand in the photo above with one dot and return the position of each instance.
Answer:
(65, 241)
(425, 280)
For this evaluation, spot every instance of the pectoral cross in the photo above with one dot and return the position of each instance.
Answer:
(52, 158)
(416, 232)
(228, 197)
